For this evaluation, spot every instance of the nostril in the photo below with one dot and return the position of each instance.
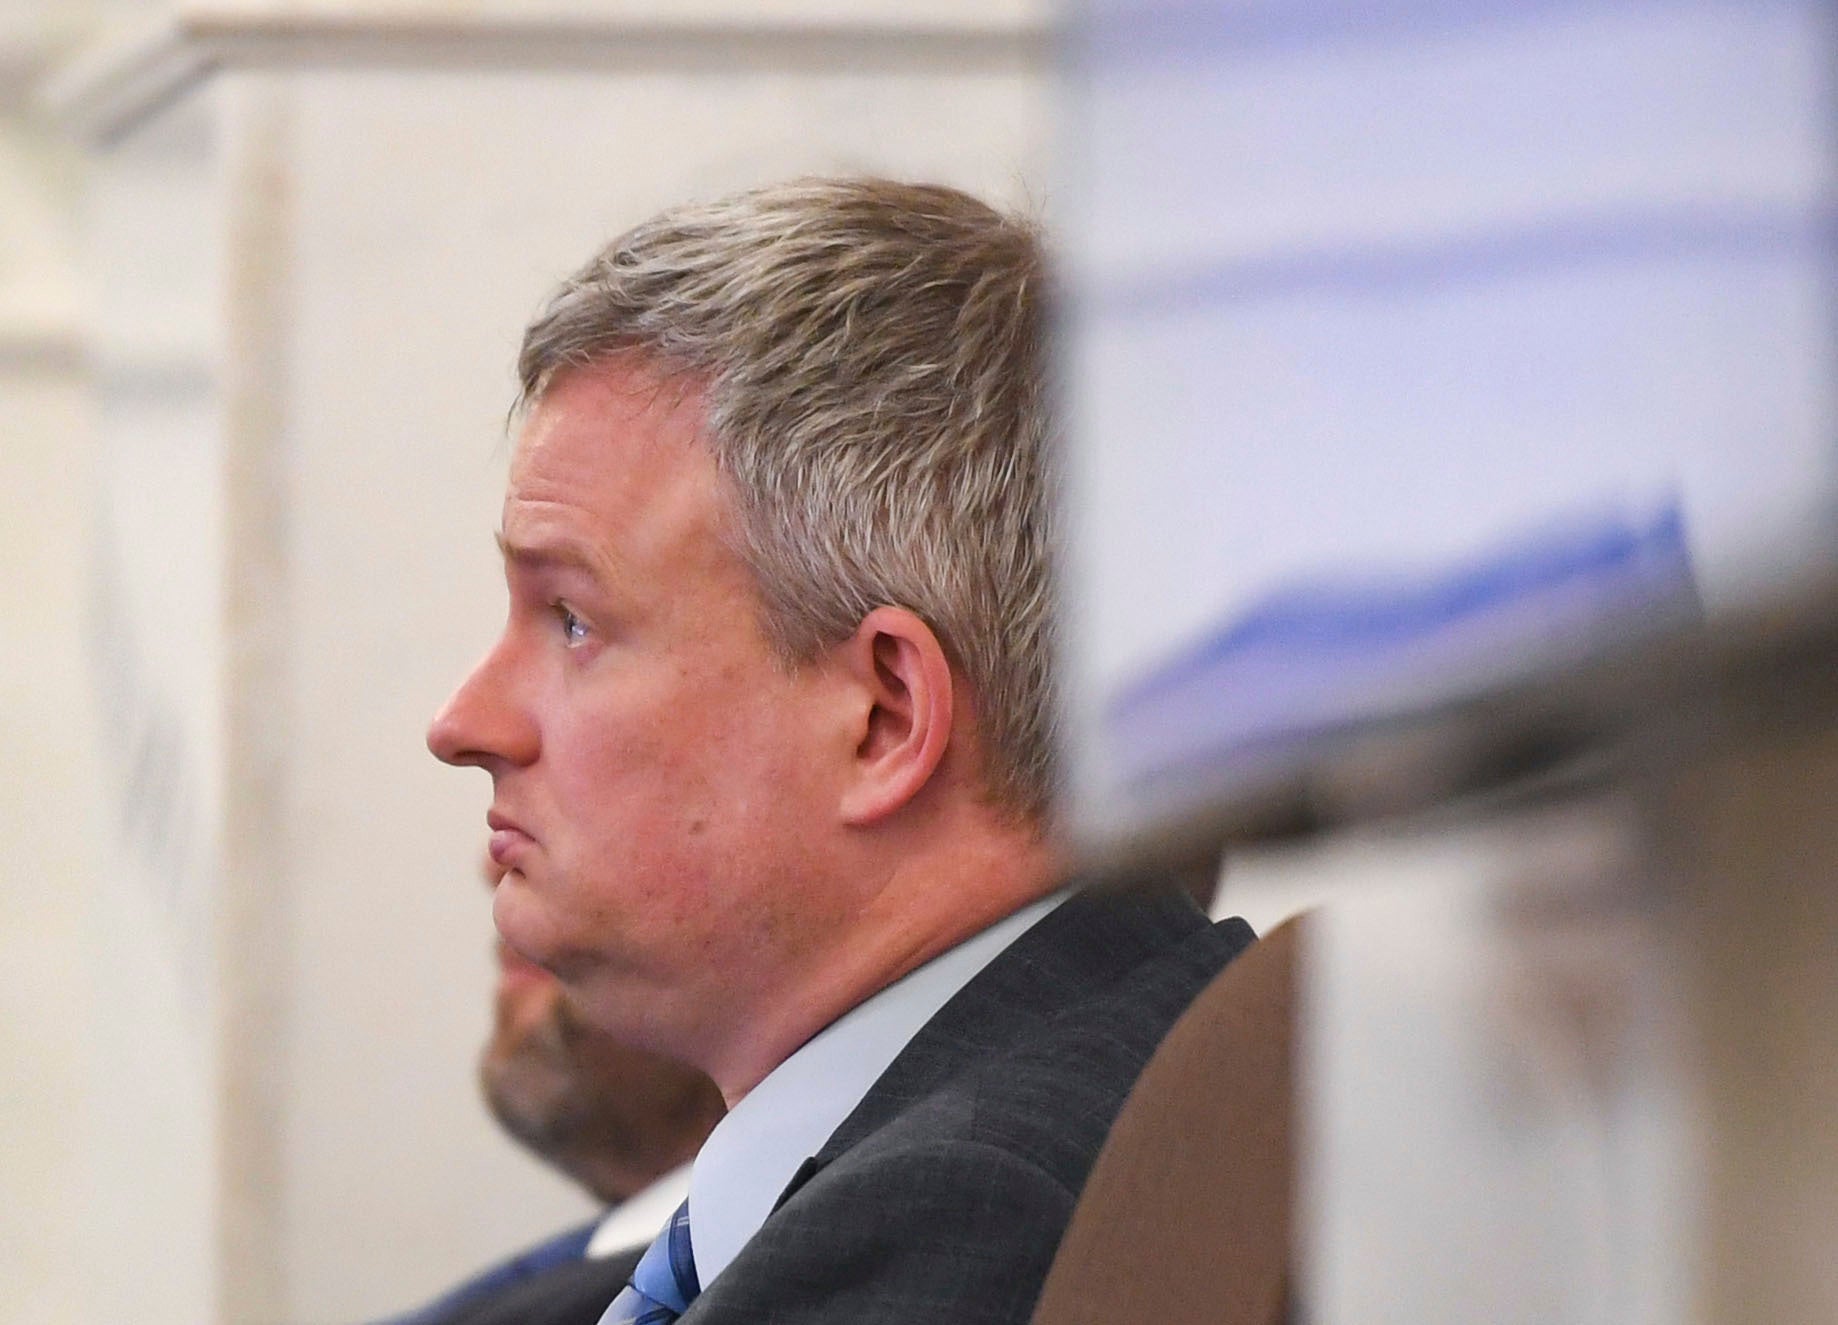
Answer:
(446, 733)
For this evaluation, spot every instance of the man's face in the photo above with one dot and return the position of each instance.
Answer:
(652, 763)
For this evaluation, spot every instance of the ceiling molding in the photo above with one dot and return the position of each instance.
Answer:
(111, 87)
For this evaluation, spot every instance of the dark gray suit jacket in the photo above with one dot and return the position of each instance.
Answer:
(941, 1199)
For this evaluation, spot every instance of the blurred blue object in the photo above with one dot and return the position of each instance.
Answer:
(1326, 655)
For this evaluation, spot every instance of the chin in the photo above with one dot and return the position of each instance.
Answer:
(520, 921)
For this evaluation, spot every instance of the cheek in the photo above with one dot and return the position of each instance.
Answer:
(627, 730)
(679, 800)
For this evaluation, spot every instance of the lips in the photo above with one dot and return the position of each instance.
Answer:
(508, 840)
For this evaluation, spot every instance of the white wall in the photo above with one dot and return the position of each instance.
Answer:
(157, 668)
(48, 819)
(48, 807)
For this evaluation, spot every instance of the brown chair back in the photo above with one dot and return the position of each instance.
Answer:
(1186, 1217)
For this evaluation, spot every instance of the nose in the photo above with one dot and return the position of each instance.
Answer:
(483, 723)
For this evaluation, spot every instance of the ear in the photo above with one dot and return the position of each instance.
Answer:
(901, 673)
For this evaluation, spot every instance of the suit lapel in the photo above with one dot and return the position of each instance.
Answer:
(1094, 939)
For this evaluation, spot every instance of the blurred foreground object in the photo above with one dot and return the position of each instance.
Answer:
(1454, 398)
(1567, 1051)
(1416, 351)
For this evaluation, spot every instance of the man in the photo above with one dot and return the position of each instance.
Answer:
(621, 1122)
(770, 729)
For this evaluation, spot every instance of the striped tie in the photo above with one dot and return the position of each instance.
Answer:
(663, 1283)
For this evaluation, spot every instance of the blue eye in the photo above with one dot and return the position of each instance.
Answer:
(574, 630)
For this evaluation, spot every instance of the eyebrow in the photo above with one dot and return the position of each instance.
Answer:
(561, 556)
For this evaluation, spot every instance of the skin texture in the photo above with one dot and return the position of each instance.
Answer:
(715, 852)
(612, 1117)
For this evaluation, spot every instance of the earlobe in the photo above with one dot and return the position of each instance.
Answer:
(905, 729)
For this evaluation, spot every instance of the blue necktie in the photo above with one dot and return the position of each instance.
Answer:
(664, 1281)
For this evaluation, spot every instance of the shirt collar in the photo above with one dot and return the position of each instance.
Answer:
(752, 1154)
(635, 1220)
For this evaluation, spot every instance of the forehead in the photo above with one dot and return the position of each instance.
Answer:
(609, 419)
(612, 456)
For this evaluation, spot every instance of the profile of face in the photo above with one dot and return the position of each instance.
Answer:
(612, 1117)
(654, 790)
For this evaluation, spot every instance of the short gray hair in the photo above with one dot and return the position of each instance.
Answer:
(873, 357)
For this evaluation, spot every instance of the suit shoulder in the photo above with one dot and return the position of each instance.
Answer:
(1047, 1080)
(1052, 1095)
(913, 1228)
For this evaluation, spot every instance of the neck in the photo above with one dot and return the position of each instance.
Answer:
(916, 911)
